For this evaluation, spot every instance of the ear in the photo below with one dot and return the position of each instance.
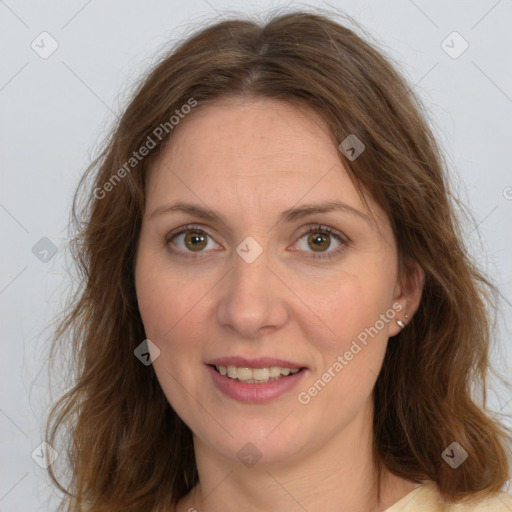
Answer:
(407, 293)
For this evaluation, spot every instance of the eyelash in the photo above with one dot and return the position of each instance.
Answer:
(313, 229)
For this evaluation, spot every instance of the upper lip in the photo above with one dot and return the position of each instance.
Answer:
(259, 362)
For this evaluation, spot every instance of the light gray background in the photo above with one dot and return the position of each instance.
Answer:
(55, 111)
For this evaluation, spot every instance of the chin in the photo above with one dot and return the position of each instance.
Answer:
(267, 442)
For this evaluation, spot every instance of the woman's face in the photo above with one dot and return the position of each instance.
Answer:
(227, 274)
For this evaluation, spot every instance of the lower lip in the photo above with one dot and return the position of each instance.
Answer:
(254, 393)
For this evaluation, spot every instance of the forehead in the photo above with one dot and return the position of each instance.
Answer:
(250, 138)
(252, 153)
(254, 128)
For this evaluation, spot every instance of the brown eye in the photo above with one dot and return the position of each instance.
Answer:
(190, 239)
(195, 240)
(323, 241)
(319, 242)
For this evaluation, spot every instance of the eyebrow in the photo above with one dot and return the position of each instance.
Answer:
(287, 216)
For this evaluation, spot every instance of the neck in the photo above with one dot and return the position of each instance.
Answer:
(338, 475)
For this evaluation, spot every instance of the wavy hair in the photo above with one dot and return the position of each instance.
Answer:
(126, 448)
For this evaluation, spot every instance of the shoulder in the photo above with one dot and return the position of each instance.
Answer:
(500, 502)
(426, 497)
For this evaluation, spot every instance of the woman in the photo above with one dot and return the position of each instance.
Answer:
(278, 311)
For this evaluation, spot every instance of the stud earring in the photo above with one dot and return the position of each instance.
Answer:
(400, 324)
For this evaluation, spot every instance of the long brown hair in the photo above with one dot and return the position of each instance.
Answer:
(126, 447)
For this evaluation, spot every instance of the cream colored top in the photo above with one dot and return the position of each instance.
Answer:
(426, 498)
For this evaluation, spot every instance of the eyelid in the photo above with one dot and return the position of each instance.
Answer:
(343, 239)
(324, 228)
(319, 228)
(184, 229)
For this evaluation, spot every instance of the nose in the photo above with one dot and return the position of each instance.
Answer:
(253, 299)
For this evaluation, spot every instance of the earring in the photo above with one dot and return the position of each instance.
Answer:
(400, 324)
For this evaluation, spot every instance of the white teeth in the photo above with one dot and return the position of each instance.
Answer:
(241, 373)
(257, 374)
(252, 375)
(274, 371)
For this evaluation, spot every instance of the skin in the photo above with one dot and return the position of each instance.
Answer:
(250, 159)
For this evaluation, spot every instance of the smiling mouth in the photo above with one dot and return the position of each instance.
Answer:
(255, 375)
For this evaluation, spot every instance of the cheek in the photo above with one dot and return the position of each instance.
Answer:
(344, 306)
(170, 307)
(167, 300)
(352, 351)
